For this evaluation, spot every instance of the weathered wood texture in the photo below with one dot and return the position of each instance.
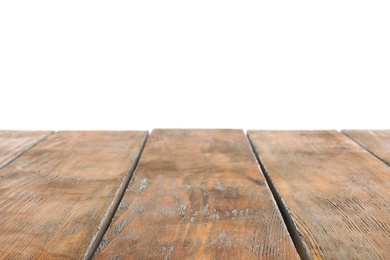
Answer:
(14, 143)
(55, 198)
(375, 141)
(337, 193)
(197, 194)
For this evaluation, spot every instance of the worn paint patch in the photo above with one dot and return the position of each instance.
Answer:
(143, 185)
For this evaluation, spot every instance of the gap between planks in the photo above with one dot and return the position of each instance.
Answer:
(50, 245)
(334, 189)
(112, 208)
(204, 146)
(14, 157)
(295, 235)
(364, 147)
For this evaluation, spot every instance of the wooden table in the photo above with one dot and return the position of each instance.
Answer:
(195, 194)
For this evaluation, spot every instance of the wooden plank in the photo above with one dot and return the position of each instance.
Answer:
(197, 194)
(336, 195)
(14, 143)
(375, 141)
(56, 200)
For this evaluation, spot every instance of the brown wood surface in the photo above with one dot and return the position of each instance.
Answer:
(14, 143)
(56, 199)
(197, 194)
(337, 193)
(375, 141)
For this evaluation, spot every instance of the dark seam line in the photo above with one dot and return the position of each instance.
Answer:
(365, 148)
(112, 208)
(295, 235)
(13, 158)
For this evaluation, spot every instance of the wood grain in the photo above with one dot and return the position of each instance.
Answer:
(336, 193)
(56, 199)
(197, 194)
(375, 141)
(14, 143)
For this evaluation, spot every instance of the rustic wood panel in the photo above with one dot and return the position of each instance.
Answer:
(336, 194)
(57, 199)
(375, 141)
(14, 143)
(197, 194)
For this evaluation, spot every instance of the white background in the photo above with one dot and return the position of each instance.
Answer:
(194, 64)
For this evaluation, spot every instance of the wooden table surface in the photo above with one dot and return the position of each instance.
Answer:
(195, 194)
